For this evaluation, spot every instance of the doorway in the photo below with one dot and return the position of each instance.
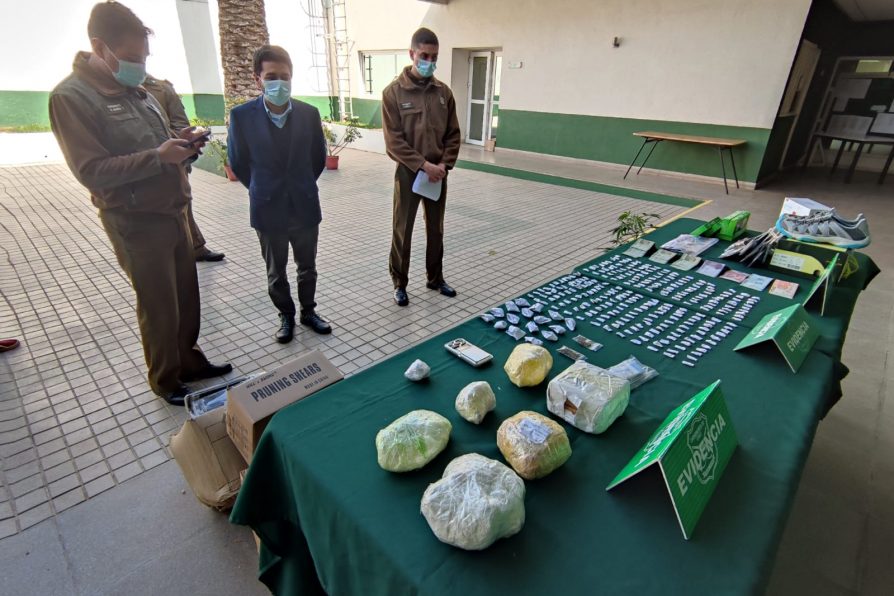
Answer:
(482, 114)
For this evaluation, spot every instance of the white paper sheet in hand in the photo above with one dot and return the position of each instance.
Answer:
(423, 186)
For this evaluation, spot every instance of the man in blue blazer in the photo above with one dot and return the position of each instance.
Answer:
(277, 150)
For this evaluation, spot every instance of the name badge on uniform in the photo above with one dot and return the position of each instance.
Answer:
(443, 101)
(114, 108)
(406, 105)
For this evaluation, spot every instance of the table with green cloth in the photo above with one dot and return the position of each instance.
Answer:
(330, 519)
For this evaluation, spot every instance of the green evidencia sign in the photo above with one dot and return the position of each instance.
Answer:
(821, 286)
(790, 329)
(691, 447)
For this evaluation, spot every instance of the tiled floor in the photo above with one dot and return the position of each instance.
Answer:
(839, 538)
(76, 416)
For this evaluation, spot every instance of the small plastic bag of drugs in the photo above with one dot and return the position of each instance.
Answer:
(522, 302)
(557, 329)
(587, 397)
(418, 370)
(634, 371)
(528, 365)
(486, 317)
(510, 306)
(412, 440)
(537, 307)
(475, 400)
(527, 313)
(533, 340)
(501, 325)
(532, 327)
(571, 324)
(549, 335)
(587, 343)
(555, 316)
(541, 320)
(515, 333)
(513, 319)
(497, 312)
(475, 503)
(533, 444)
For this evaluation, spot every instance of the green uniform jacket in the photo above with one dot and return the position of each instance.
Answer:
(419, 121)
(109, 135)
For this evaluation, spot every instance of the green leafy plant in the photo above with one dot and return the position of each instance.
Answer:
(631, 227)
(215, 147)
(333, 143)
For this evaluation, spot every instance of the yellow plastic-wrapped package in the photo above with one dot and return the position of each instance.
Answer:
(533, 444)
(528, 365)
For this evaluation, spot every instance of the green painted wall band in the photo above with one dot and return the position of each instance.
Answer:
(611, 140)
(580, 184)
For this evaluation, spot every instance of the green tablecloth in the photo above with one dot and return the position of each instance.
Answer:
(329, 517)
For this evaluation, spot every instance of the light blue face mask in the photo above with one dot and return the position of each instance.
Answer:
(426, 67)
(130, 74)
(278, 92)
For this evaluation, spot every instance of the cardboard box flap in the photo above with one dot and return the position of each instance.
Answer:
(208, 459)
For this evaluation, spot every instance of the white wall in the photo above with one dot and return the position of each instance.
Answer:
(46, 34)
(711, 61)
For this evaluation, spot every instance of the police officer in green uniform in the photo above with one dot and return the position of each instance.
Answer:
(163, 91)
(421, 134)
(118, 143)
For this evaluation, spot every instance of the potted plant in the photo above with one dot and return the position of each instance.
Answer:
(217, 149)
(334, 145)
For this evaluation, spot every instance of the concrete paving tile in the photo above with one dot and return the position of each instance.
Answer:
(34, 562)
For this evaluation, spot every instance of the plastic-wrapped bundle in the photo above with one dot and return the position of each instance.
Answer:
(412, 440)
(587, 397)
(533, 444)
(528, 365)
(475, 503)
(475, 400)
(418, 370)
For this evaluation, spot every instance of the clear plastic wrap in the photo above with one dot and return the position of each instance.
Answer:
(501, 325)
(486, 317)
(549, 335)
(533, 340)
(528, 365)
(522, 302)
(475, 503)
(475, 400)
(418, 370)
(541, 320)
(587, 397)
(532, 327)
(533, 444)
(571, 324)
(412, 440)
(510, 306)
(513, 319)
(527, 313)
(515, 333)
(634, 371)
(557, 329)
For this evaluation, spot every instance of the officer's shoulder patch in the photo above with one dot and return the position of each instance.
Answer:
(115, 108)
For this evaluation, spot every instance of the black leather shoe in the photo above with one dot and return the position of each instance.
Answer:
(286, 329)
(315, 322)
(443, 288)
(205, 254)
(177, 396)
(400, 297)
(210, 371)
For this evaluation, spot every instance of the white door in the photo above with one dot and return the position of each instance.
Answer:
(480, 96)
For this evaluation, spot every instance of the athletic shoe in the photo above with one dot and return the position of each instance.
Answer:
(859, 221)
(825, 231)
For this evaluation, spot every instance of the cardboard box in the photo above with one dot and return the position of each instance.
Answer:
(490, 144)
(251, 404)
(208, 459)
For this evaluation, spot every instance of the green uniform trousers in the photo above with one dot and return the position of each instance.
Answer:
(406, 204)
(156, 253)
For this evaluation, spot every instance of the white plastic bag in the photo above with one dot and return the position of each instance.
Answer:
(412, 440)
(475, 400)
(587, 397)
(475, 503)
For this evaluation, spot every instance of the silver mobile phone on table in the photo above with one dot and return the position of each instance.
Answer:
(468, 352)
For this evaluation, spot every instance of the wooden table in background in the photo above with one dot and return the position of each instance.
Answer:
(720, 144)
